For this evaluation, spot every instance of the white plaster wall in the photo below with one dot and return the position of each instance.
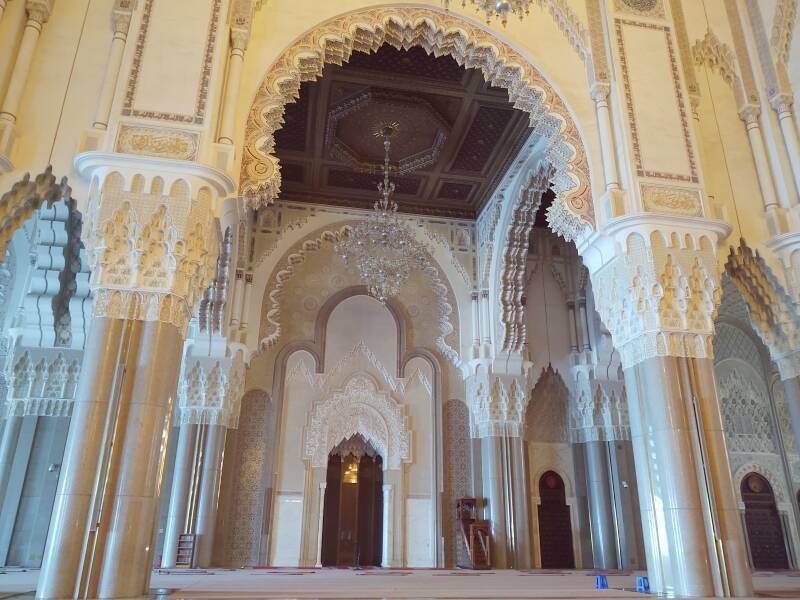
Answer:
(357, 319)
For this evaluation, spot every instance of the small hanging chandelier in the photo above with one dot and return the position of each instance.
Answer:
(499, 8)
(382, 248)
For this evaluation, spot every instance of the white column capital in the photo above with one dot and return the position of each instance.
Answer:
(600, 91)
(39, 10)
(240, 36)
(782, 103)
(750, 114)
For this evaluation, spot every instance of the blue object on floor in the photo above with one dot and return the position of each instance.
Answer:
(601, 582)
(642, 583)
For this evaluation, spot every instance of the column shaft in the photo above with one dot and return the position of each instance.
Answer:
(523, 556)
(127, 560)
(607, 146)
(228, 120)
(19, 76)
(732, 555)
(179, 494)
(110, 81)
(789, 130)
(672, 511)
(8, 447)
(601, 515)
(387, 555)
(762, 163)
(492, 471)
(79, 469)
(791, 387)
(208, 499)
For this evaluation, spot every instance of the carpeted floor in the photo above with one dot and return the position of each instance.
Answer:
(396, 583)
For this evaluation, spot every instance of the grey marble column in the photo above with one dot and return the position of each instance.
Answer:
(601, 509)
(523, 554)
(127, 560)
(179, 495)
(208, 498)
(8, 447)
(792, 388)
(494, 488)
(79, 469)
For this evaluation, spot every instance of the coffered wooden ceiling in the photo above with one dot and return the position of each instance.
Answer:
(457, 134)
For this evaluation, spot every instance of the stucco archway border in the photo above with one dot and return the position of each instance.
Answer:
(438, 32)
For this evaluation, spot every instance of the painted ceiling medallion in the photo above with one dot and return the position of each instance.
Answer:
(415, 147)
(382, 247)
(499, 8)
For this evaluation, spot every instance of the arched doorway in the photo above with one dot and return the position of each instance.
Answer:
(763, 524)
(352, 522)
(555, 524)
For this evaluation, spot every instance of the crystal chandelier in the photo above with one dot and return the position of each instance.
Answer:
(499, 8)
(382, 248)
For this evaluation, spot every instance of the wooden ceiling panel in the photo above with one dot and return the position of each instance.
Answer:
(457, 134)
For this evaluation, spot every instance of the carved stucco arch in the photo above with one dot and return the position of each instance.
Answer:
(778, 487)
(359, 407)
(438, 32)
(296, 256)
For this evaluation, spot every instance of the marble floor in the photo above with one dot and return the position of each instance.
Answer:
(397, 583)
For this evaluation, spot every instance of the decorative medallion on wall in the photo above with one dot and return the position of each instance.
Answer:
(644, 8)
(671, 200)
(158, 142)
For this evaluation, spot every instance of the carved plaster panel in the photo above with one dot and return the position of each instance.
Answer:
(42, 382)
(669, 200)
(158, 142)
(641, 116)
(360, 407)
(130, 106)
(642, 8)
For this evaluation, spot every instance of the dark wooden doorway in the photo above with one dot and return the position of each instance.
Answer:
(763, 523)
(352, 522)
(555, 524)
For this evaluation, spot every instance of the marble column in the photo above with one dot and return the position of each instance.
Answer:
(523, 554)
(208, 498)
(387, 554)
(601, 514)
(37, 16)
(791, 387)
(121, 22)
(750, 116)
(731, 550)
(683, 478)
(492, 465)
(600, 94)
(782, 103)
(8, 447)
(82, 460)
(127, 561)
(320, 518)
(179, 495)
(227, 123)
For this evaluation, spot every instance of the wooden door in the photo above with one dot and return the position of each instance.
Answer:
(763, 523)
(555, 524)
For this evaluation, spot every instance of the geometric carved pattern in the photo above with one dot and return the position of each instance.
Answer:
(358, 408)
(546, 415)
(457, 477)
(746, 412)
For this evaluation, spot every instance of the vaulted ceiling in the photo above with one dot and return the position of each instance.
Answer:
(456, 137)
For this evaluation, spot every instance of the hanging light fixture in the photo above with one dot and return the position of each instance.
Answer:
(499, 8)
(382, 247)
